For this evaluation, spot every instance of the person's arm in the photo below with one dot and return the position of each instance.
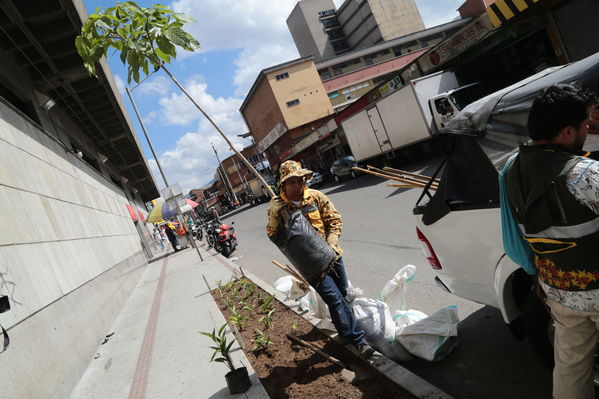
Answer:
(331, 219)
(273, 214)
(583, 182)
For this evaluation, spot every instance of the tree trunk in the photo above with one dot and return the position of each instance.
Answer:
(249, 165)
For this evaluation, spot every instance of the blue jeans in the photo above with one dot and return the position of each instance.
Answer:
(333, 289)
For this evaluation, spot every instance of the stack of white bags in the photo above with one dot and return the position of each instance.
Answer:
(391, 328)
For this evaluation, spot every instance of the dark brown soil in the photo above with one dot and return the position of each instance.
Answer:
(290, 370)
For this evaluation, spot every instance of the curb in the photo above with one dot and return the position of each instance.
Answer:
(403, 377)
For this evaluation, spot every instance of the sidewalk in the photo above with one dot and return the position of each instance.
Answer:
(155, 350)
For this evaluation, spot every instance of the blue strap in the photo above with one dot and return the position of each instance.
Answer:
(514, 244)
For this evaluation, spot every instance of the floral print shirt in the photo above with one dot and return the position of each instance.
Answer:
(583, 183)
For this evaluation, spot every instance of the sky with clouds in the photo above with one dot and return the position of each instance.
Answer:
(238, 39)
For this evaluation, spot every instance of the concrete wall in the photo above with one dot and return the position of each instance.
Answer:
(396, 18)
(262, 112)
(69, 256)
(307, 30)
(358, 24)
(305, 85)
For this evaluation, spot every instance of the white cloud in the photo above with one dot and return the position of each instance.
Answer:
(120, 83)
(192, 162)
(438, 12)
(256, 27)
(159, 85)
(177, 109)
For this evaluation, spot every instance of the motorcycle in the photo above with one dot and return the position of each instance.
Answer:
(225, 239)
(198, 231)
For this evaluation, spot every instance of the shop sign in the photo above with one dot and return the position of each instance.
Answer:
(132, 212)
(271, 137)
(390, 86)
(457, 43)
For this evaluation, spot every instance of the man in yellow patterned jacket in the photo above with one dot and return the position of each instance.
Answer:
(326, 220)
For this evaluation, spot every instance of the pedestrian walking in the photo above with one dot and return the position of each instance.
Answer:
(331, 285)
(553, 193)
(158, 238)
(172, 237)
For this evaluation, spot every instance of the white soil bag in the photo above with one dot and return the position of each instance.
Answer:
(375, 319)
(433, 337)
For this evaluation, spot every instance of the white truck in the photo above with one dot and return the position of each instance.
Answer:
(407, 116)
(459, 225)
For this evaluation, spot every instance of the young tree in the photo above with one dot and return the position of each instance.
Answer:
(146, 39)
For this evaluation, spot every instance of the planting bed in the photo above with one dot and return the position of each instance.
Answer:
(285, 368)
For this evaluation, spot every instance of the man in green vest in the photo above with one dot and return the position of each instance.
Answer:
(553, 191)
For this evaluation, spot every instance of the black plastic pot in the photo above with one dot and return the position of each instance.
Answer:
(238, 380)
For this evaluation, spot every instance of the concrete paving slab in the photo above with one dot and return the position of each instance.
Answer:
(156, 351)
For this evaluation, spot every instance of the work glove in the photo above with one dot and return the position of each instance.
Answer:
(276, 204)
(333, 241)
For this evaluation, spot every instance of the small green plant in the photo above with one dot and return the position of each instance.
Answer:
(294, 326)
(266, 304)
(245, 306)
(228, 302)
(222, 347)
(267, 319)
(261, 341)
(236, 318)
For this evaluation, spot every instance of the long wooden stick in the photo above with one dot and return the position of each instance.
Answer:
(290, 272)
(403, 172)
(400, 179)
(408, 178)
(316, 349)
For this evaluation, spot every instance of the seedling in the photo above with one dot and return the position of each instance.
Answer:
(266, 304)
(236, 318)
(228, 302)
(294, 326)
(222, 347)
(261, 341)
(267, 319)
(245, 306)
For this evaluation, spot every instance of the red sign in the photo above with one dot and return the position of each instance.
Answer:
(132, 212)
(141, 215)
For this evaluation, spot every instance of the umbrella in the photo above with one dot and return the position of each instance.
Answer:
(163, 211)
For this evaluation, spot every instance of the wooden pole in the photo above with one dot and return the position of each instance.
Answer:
(403, 172)
(411, 177)
(290, 272)
(317, 350)
(400, 179)
(405, 185)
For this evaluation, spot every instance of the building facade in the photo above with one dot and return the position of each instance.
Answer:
(73, 183)
(307, 29)
(321, 31)
(282, 106)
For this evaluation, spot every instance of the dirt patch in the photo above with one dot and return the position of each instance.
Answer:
(287, 369)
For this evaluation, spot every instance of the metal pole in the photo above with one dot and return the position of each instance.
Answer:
(146, 134)
(224, 172)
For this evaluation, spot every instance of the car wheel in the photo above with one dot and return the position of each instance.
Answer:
(538, 326)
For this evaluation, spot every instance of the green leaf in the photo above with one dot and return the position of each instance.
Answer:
(164, 57)
(124, 55)
(183, 17)
(166, 46)
(176, 35)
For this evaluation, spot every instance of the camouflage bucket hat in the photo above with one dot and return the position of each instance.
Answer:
(292, 169)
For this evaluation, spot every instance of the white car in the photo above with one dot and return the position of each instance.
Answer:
(315, 180)
(459, 227)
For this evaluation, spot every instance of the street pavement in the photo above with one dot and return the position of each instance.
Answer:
(154, 350)
(378, 239)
